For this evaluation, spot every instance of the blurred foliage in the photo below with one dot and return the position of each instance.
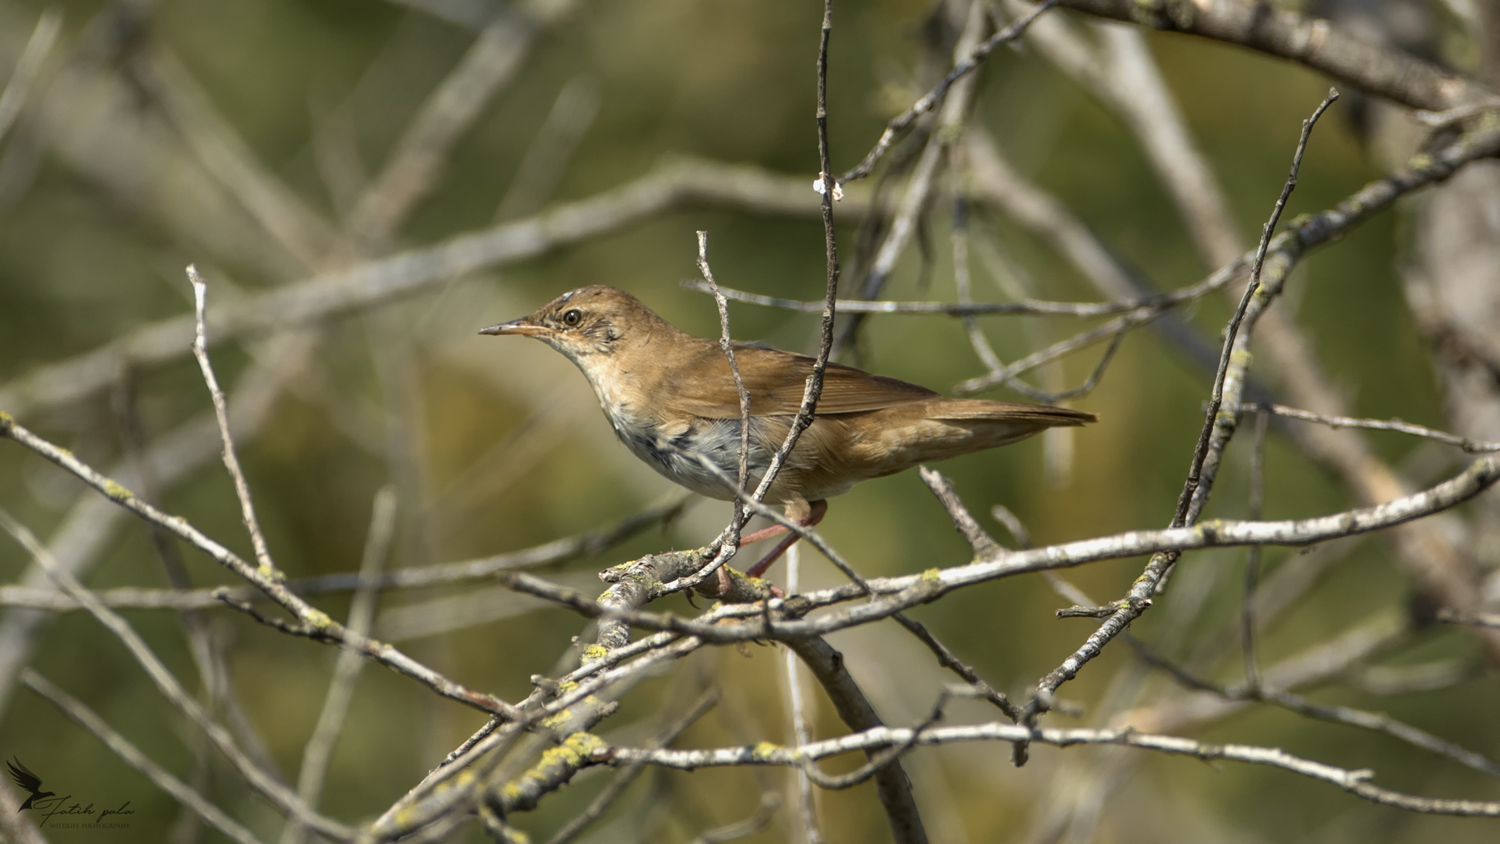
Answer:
(82, 262)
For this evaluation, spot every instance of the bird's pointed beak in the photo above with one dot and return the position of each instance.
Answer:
(524, 325)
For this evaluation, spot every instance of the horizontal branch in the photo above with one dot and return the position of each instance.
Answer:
(1396, 425)
(1354, 781)
(783, 618)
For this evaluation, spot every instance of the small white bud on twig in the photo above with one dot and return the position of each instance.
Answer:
(838, 189)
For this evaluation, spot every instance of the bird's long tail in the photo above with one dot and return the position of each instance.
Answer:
(941, 428)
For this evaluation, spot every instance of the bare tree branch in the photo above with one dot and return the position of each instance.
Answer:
(1317, 44)
(1356, 782)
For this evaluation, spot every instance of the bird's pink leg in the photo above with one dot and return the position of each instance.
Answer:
(815, 514)
(764, 533)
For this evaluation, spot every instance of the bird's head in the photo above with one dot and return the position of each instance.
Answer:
(586, 322)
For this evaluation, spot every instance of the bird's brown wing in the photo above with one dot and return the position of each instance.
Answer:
(775, 381)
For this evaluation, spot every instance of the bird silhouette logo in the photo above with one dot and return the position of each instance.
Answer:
(28, 782)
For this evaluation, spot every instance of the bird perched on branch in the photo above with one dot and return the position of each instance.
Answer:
(672, 400)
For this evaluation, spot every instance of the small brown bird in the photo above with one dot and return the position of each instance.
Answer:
(671, 397)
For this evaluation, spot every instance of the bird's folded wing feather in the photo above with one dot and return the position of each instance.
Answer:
(775, 381)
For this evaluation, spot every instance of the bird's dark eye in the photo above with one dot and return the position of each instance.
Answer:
(572, 317)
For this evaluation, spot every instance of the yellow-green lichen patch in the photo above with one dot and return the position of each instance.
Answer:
(115, 491)
(764, 750)
(595, 652)
(318, 619)
(557, 762)
(553, 722)
(405, 818)
(933, 576)
(6, 420)
(586, 744)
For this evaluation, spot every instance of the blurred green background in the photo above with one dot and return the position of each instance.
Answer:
(505, 448)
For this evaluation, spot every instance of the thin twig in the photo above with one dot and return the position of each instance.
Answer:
(731, 540)
(753, 505)
(961, 279)
(1114, 330)
(1005, 376)
(962, 309)
(814, 386)
(950, 661)
(1469, 445)
(1195, 491)
(911, 213)
(877, 761)
(312, 622)
(221, 413)
(1217, 428)
(981, 542)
